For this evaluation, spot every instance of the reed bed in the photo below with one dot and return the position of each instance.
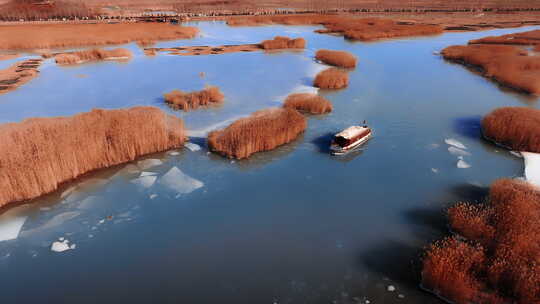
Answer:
(525, 38)
(262, 131)
(365, 29)
(280, 42)
(188, 101)
(308, 103)
(508, 65)
(515, 127)
(38, 154)
(48, 36)
(92, 55)
(499, 260)
(331, 78)
(337, 58)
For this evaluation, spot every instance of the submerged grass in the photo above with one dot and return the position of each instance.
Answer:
(499, 262)
(262, 131)
(38, 154)
(92, 55)
(188, 101)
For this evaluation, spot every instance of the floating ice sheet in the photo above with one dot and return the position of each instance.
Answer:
(145, 181)
(179, 182)
(59, 219)
(458, 152)
(62, 245)
(461, 164)
(532, 167)
(147, 173)
(192, 147)
(455, 143)
(149, 163)
(11, 223)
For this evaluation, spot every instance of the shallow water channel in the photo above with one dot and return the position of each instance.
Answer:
(294, 225)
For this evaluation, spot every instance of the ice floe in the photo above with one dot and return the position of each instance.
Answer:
(145, 181)
(435, 170)
(11, 223)
(455, 143)
(532, 167)
(153, 196)
(204, 131)
(192, 147)
(149, 163)
(179, 182)
(174, 153)
(62, 245)
(146, 173)
(458, 152)
(461, 164)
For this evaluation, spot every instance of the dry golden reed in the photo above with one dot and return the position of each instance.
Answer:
(49, 36)
(280, 42)
(188, 101)
(331, 78)
(515, 127)
(500, 260)
(336, 58)
(38, 154)
(308, 103)
(92, 55)
(262, 131)
(508, 65)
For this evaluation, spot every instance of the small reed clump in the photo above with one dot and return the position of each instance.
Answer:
(188, 101)
(336, 58)
(499, 260)
(515, 127)
(280, 42)
(308, 103)
(262, 131)
(506, 64)
(92, 55)
(38, 154)
(331, 78)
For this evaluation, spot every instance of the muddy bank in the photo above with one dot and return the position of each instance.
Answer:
(38, 154)
(79, 57)
(508, 65)
(278, 43)
(18, 74)
(49, 36)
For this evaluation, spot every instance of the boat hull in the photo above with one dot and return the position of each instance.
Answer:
(337, 150)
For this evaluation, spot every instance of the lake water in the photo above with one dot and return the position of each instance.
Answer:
(294, 225)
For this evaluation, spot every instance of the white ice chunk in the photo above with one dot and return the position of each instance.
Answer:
(458, 152)
(11, 223)
(179, 182)
(532, 167)
(174, 153)
(455, 143)
(192, 147)
(435, 170)
(145, 181)
(153, 196)
(461, 164)
(62, 246)
(147, 174)
(516, 154)
(149, 163)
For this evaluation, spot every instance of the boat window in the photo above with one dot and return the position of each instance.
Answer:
(341, 141)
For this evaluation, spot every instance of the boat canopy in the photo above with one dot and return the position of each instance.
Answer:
(351, 132)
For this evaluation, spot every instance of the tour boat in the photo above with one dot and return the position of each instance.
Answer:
(350, 138)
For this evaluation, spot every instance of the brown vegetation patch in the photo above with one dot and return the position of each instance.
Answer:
(525, 38)
(262, 131)
(49, 36)
(280, 42)
(364, 29)
(77, 57)
(204, 50)
(8, 56)
(508, 65)
(500, 261)
(309, 103)
(39, 154)
(336, 58)
(188, 101)
(515, 127)
(44, 9)
(18, 74)
(331, 78)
